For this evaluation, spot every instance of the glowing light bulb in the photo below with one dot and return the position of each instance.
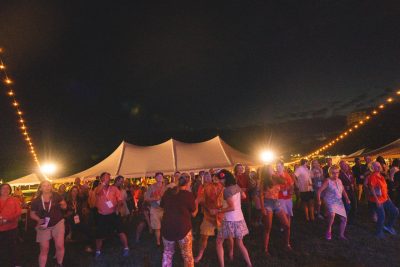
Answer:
(48, 168)
(8, 81)
(267, 156)
(10, 93)
(390, 100)
(15, 104)
(2, 67)
(19, 112)
(374, 112)
(381, 106)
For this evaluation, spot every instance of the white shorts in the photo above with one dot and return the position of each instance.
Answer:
(287, 206)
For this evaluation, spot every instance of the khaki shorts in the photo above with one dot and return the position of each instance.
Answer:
(156, 215)
(54, 232)
(207, 228)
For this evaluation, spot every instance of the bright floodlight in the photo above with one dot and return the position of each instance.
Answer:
(48, 168)
(267, 156)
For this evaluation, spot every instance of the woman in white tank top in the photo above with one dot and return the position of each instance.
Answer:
(233, 225)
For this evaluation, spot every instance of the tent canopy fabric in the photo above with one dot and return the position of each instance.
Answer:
(136, 161)
(29, 179)
(354, 155)
(391, 150)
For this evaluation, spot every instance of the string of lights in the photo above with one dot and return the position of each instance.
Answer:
(375, 112)
(16, 105)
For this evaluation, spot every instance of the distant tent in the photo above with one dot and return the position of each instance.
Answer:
(354, 155)
(391, 150)
(29, 179)
(137, 161)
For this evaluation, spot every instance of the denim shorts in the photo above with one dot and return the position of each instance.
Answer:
(272, 205)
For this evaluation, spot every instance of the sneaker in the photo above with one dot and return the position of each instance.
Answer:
(390, 230)
(380, 236)
(97, 255)
(125, 252)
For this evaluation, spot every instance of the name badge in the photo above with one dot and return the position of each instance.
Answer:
(284, 193)
(158, 202)
(45, 223)
(319, 183)
(109, 204)
(378, 191)
(76, 219)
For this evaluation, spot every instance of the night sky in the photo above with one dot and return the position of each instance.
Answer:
(89, 75)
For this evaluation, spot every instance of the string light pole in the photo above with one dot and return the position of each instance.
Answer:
(375, 112)
(16, 105)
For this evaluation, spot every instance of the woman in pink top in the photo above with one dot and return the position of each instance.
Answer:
(10, 210)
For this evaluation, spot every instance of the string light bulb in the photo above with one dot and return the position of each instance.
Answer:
(10, 92)
(390, 99)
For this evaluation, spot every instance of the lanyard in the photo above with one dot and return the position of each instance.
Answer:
(44, 207)
(106, 193)
(74, 206)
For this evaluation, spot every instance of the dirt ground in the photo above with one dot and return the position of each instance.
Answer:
(309, 248)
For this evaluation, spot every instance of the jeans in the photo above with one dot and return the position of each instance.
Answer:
(391, 210)
(351, 209)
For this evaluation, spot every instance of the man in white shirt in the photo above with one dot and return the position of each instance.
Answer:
(304, 184)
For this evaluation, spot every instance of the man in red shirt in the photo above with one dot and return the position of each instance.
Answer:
(379, 197)
(108, 200)
(286, 190)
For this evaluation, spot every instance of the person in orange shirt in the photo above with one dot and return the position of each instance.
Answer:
(10, 211)
(381, 201)
(286, 190)
(210, 198)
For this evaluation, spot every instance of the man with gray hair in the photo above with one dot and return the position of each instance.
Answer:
(381, 201)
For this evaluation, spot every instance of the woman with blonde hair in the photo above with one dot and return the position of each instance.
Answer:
(333, 192)
(46, 210)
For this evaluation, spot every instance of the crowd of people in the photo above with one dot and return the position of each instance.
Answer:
(212, 203)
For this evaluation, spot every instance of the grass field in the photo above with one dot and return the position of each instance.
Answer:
(309, 248)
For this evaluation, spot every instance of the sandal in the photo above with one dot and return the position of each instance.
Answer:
(328, 235)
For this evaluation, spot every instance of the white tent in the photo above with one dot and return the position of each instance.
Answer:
(138, 161)
(29, 179)
(391, 150)
(354, 155)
